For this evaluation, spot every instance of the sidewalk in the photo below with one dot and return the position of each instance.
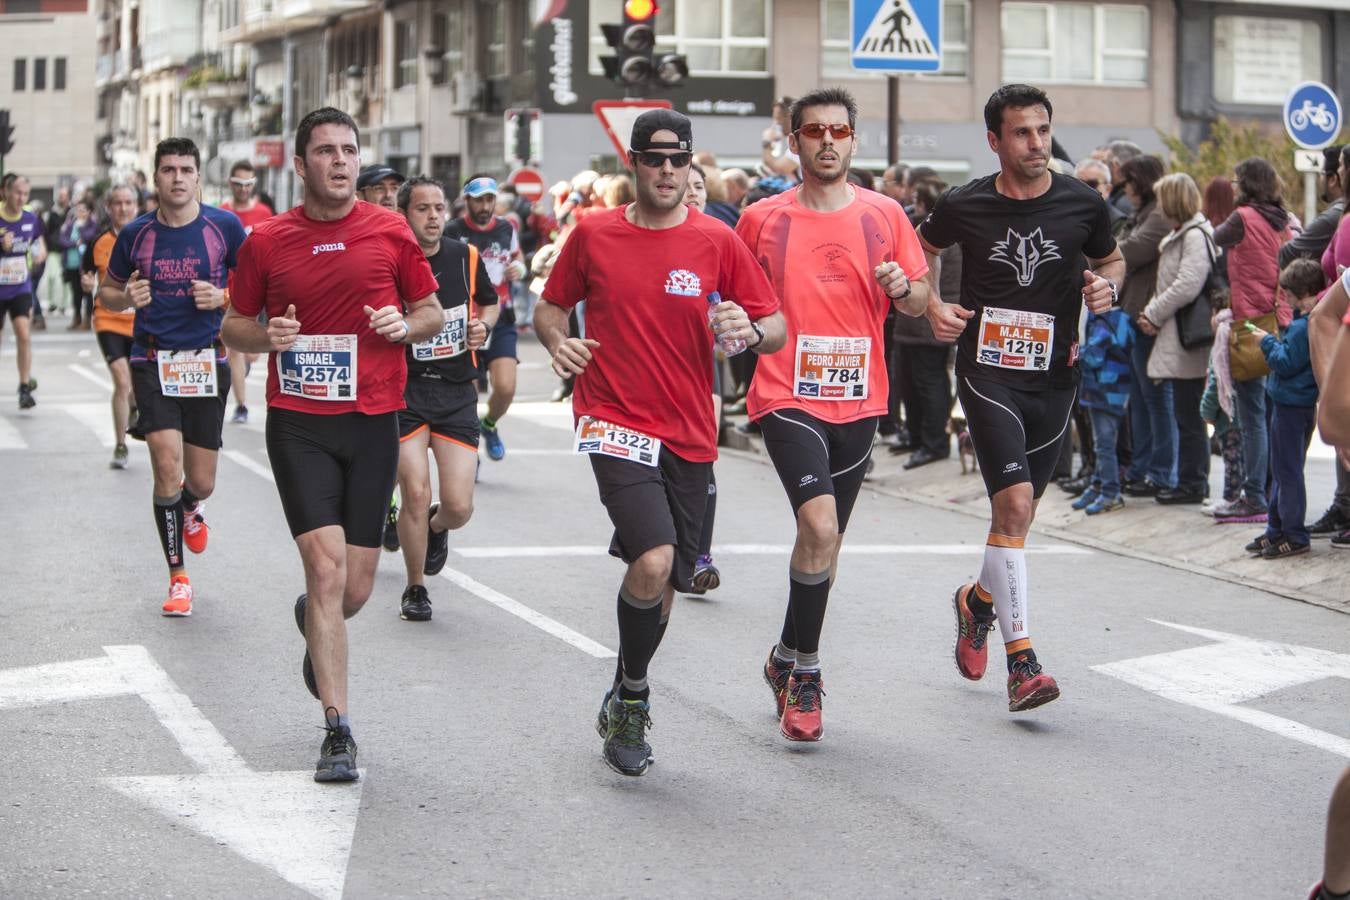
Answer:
(1177, 536)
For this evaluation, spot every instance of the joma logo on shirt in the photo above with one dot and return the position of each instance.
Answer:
(683, 283)
(328, 248)
(1025, 253)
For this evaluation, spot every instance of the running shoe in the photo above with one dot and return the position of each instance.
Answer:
(438, 548)
(119, 460)
(1332, 522)
(777, 679)
(1239, 511)
(26, 400)
(706, 577)
(307, 666)
(495, 448)
(1282, 548)
(1341, 541)
(1259, 545)
(1085, 498)
(240, 416)
(180, 597)
(416, 605)
(1028, 686)
(1104, 504)
(972, 636)
(195, 530)
(32, 383)
(626, 749)
(602, 718)
(337, 756)
(391, 528)
(801, 715)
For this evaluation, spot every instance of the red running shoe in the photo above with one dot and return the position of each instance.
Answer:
(1028, 686)
(180, 597)
(777, 680)
(801, 715)
(972, 636)
(195, 531)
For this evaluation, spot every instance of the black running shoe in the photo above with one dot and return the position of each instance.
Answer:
(306, 667)
(438, 547)
(391, 529)
(26, 400)
(602, 718)
(337, 756)
(416, 606)
(626, 749)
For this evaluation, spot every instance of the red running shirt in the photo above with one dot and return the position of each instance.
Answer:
(820, 265)
(330, 271)
(646, 294)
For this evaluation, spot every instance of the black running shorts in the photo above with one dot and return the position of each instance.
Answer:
(448, 408)
(114, 346)
(1017, 434)
(16, 307)
(655, 505)
(334, 470)
(815, 458)
(200, 419)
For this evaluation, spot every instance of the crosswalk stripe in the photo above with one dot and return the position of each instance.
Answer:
(86, 374)
(97, 417)
(10, 438)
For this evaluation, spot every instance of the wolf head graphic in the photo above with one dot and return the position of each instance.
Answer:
(1025, 253)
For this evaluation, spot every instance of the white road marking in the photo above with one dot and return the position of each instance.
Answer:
(1220, 676)
(249, 463)
(87, 375)
(10, 437)
(97, 417)
(281, 820)
(520, 610)
(770, 550)
(518, 451)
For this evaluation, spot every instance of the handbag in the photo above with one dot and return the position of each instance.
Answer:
(1245, 359)
(1194, 328)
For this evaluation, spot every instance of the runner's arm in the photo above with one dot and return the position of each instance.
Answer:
(39, 250)
(117, 296)
(1109, 268)
(1324, 326)
(569, 355)
(1333, 408)
(424, 318)
(244, 333)
(774, 327)
(948, 320)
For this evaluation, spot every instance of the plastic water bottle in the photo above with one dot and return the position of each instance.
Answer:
(730, 345)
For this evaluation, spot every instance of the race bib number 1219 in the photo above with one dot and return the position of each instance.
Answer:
(1016, 339)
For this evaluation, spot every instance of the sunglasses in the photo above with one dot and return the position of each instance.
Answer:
(657, 160)
(244, 182)
(1092, 182)
(815, 131)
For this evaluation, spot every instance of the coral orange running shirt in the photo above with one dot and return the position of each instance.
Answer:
(646, 293)
(821, 265)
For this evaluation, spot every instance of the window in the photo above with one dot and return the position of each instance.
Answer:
(494, 33)
(447, 30)
(837, 45)
(39, 74)
(1075, 42)
(719, 37)
(1258, 60)
(405, 54)
(59, 74)
(20, 74)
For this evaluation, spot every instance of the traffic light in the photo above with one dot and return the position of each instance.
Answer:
(635, 64)
(6, 133)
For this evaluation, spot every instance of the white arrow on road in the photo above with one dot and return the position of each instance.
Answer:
(1218, 677)
(282, 820)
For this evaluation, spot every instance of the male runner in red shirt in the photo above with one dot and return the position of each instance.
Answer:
(838, 257)
(335, 276)
(250, 211)
(644, 386)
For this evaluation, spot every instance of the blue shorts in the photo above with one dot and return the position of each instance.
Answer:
(502, 342)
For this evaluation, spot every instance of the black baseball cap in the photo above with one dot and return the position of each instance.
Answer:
(1331, 159)
(375, 174)
(654, 120)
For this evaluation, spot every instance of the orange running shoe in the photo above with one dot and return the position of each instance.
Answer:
(195, 530)
(180, 597)
(801, 715)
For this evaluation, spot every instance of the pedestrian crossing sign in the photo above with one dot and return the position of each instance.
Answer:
(896, 35)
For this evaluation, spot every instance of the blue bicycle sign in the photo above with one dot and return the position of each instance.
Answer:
(1312, 115)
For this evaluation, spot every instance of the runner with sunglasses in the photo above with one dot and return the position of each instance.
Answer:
(643, 382)
(251, 211)
(839, 258)
(1024, 233)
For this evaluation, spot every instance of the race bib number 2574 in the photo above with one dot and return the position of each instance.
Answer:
(319, 367)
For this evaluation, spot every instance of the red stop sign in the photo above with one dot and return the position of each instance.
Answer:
(528, 182)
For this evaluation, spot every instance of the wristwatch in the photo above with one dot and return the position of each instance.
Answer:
(1115, 293)
(909, 288)
(754, 326)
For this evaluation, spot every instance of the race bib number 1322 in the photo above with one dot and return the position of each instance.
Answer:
(608, 439)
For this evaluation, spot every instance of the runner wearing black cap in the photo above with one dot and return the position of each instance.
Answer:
(499, 246)
(378, 184)
(648, 272)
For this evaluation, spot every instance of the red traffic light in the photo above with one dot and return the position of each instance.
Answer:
(640, 10)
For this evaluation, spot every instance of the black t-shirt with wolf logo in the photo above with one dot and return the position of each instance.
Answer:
(1022, 275)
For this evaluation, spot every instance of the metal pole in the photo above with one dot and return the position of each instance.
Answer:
(288, 90)
(1309, 197)
(892, 119)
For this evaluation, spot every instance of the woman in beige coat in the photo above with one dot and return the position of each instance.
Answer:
(1184, 262)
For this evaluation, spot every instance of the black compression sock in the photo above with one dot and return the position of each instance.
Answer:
(639, 630)
(189, 499)
(808, 594)
(169, 524)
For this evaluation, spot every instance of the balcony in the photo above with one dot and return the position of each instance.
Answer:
(264, 20)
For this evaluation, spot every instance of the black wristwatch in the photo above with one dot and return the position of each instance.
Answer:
(1115, 293)
(754, 326)
(909, 288)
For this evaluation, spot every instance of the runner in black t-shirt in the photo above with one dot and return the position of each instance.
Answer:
(1023, 234)
(441, 396)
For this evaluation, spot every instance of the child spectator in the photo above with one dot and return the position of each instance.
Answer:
(1216, 408)
(1105, 392)
(1293, 396)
